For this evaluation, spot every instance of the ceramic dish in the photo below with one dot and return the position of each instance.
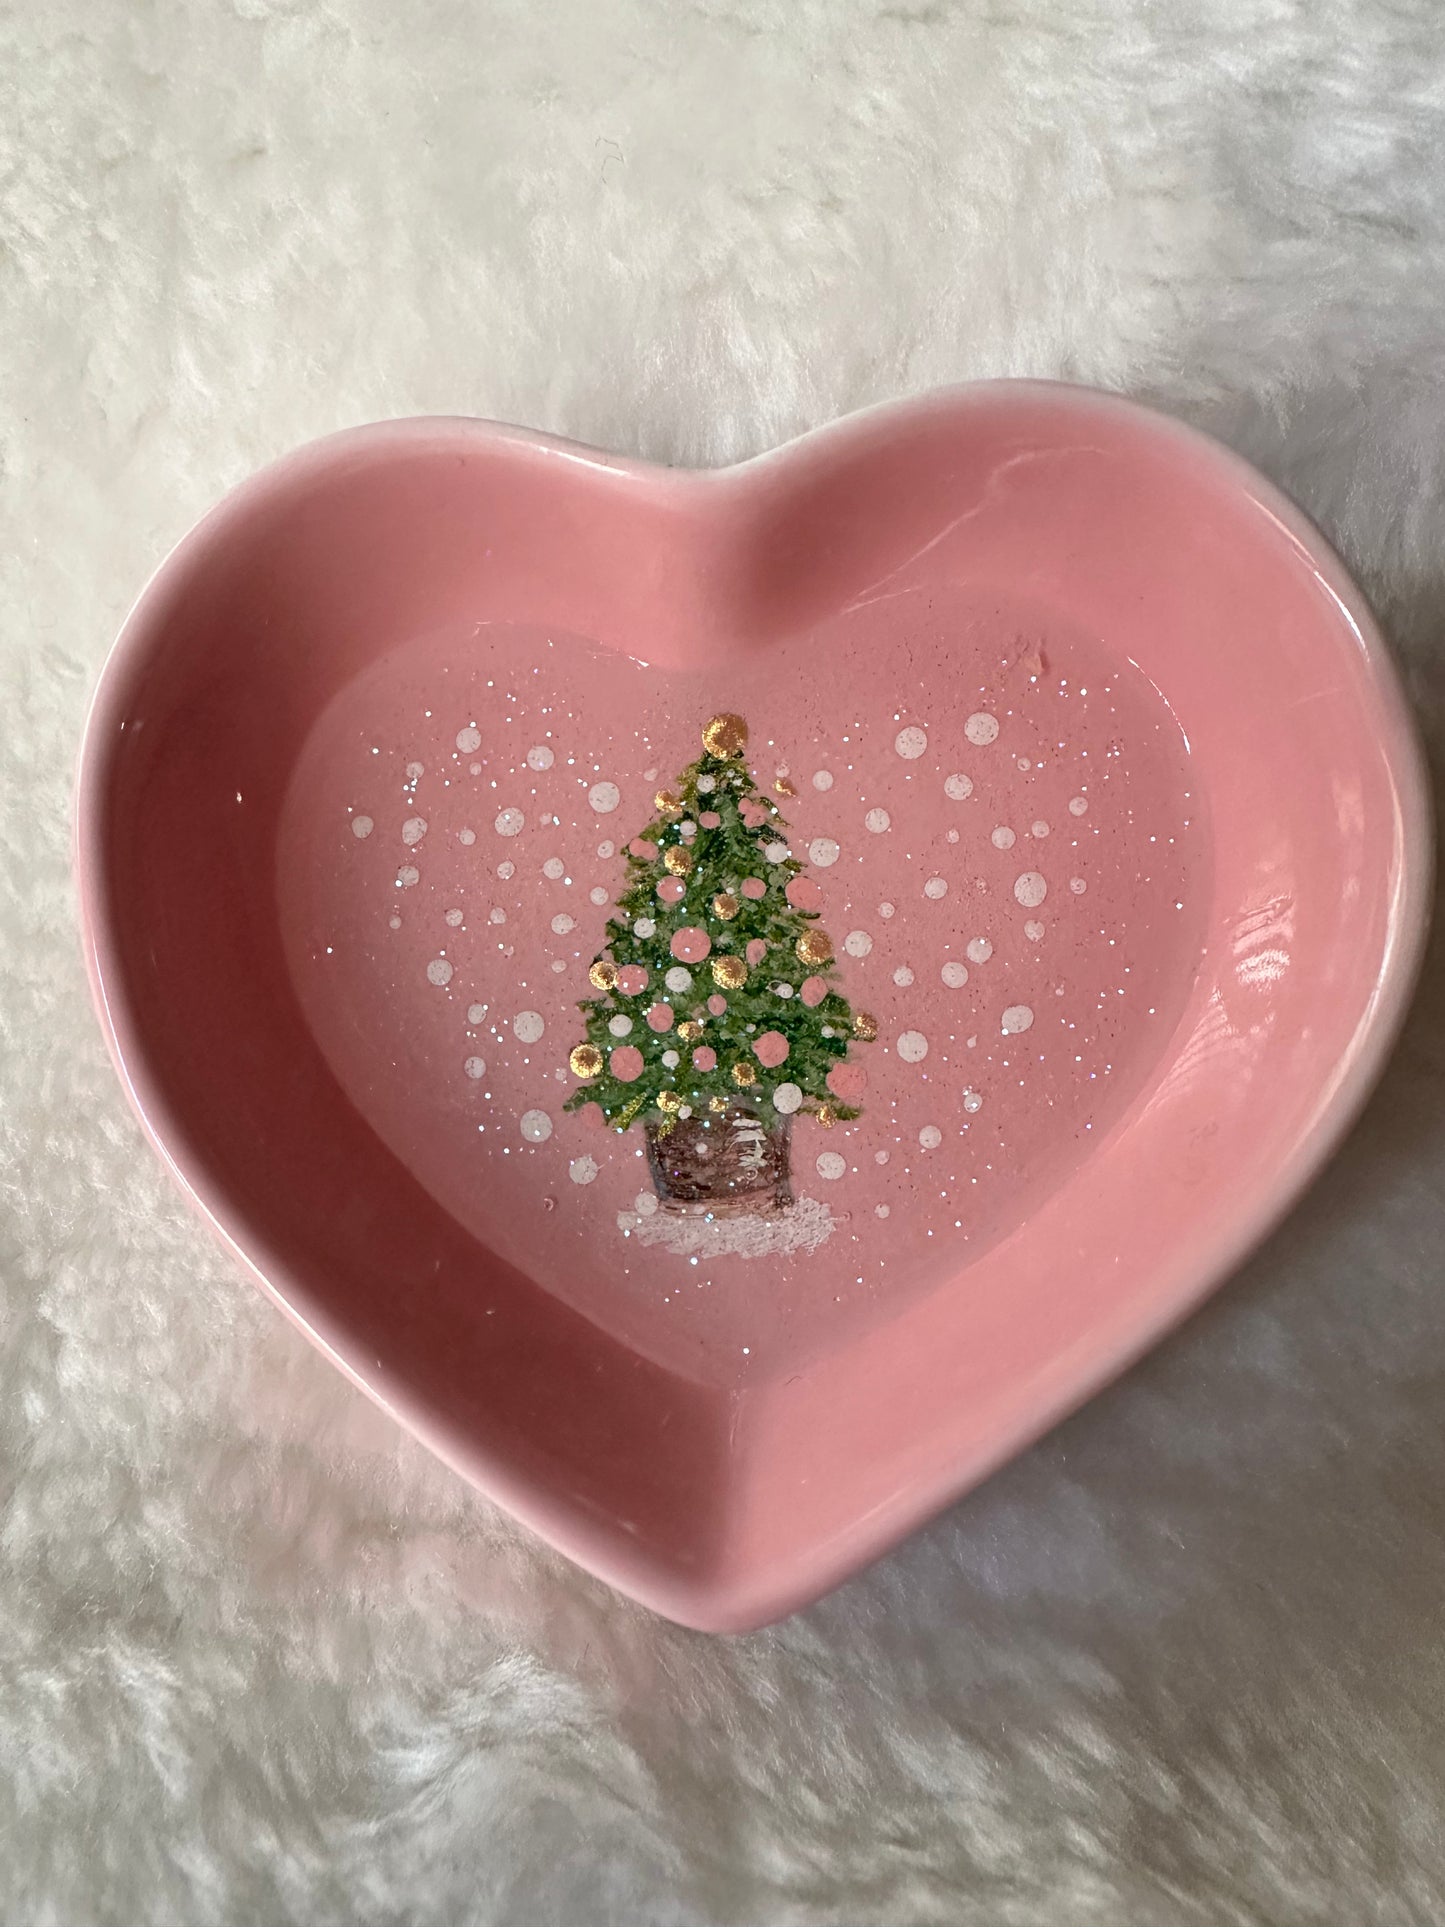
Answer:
(730, 1001)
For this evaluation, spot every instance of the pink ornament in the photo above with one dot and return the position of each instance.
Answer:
(640, 846)
(704, 1058)
(625, 1063)
(591, 1114)
(710, 820)
(755, 952)
(753, 813)
(770, 1049)
(660, 1017)
(804, 894)
(690, 945)
(717, 1005)
(755, 888)
(670, 889)
(848, 1082)
(813, 992)
(632, 980)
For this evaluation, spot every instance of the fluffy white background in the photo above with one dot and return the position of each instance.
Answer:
(260, 1659)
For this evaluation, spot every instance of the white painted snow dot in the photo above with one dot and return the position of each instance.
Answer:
(604, 798)
(972, 1102)
(413, 830)
(506, 871)
(554, 867)
(877, 821)
(468, 740)
(979, 950)
(822, 779)
(1079, 806)
(1033, 930)
(857, 943)
(620, 1025)
(582, 1170)
(562, 924)
(606, 848)
(885, 910)
(414, 770)
(528, 1025)
(678, 979)
(1030, 889)
(452, 918)
(824, 852)
(910, 743)
(913, 1047)
(880, 1157)
(930, 1137)
(1039, 829)
(438, 972)
(509, 822)
(1078, 886)
(1016, 1018)
(957, 787)
(903, 976)
(787, 1098)
(981, 729)
(831, 1165)
(393, 923)
(474, 769)
(935, 888)
(496, 914)
(466, 838)
(475, 1067)
(1002, 838)
(645, 1204)
(598, 894)
(777, 853)
(955, 975)
(536, 1126)
(880, 1210)
(540, 756)
(644, 928)
(407, 875)
(361, 827)
(475, 1013)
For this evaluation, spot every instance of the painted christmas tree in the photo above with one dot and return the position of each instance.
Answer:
(717, 1018)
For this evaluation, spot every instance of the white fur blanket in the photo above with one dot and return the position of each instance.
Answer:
(261, 1660)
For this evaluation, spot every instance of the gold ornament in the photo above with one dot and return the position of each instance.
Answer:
(603, 974)
(826, 1117)
(865, 1026)
(729, 973)
(586, 1060)
(666, 804)
(743, 1075)
(691, 1030)
(677, 859)
(717, 1103)
(725, 735)
(814, 947)
(784, 787)
(669, 1101)
(725, 905)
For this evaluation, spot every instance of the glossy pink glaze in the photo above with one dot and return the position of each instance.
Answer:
(302, 1077)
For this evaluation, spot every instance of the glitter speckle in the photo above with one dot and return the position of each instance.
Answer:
(475, 1067)
(910, 743)
(822, 779)
(469, 740)
(857, 943)
(831, 1165)
(528, 1025)
(361, 827)
(509, 822)
(957, 787)
(981, 729)
(955, 975)
(535, 1126)
(935, 888)
(979, 950)
(413, 830)
(824, 852)
(582, 1170)
(1030, 889)
(604, 797)
(877, 821)
(913, 1047)
(1016, 1018)
(540, 756)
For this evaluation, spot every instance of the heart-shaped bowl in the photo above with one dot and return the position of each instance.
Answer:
(728, 1002)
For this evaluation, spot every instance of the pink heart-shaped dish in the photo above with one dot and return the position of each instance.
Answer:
(987, 846)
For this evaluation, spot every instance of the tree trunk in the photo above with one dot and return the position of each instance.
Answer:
(721, 1164)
